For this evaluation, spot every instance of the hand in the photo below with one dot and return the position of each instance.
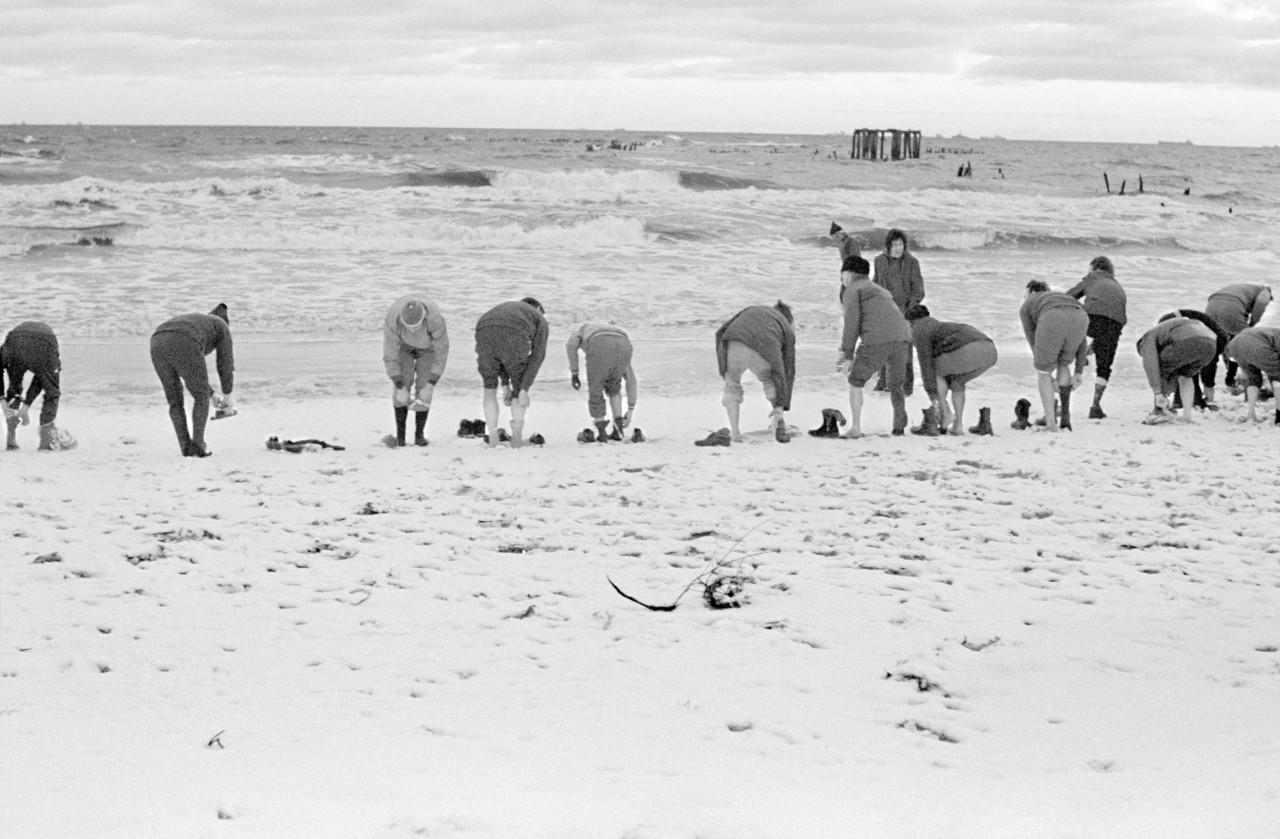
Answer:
(522, 398)
(1076, 381)
(424, 395)
(506, 394)
(401, 397)
(576, 382)
(24, 414)
(9, 413)
(225, 403)
(626, 418)
(1162, 402)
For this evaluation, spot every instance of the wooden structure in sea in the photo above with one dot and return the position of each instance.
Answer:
(885, 144)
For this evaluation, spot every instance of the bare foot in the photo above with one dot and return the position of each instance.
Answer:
(853, 434)
(957, 429)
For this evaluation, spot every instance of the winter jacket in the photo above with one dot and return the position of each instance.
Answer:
(900, 276)
(767, 331)
(522, 319)
(210, 333)
(1102, 296)
(1239, 306)
(871, 317)
(431, 335)
(1257, 347)
(933, 338)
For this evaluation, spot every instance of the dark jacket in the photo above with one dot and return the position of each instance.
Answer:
(522, 319)
(210, 333)
(933, 338)
(767, 331)
(30, 347)
(871, 317)
(1102, 296)
(900, 276)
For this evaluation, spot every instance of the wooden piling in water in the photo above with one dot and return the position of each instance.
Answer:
(885, 144)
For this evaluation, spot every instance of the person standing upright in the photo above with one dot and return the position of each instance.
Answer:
(898, 271)
(1105, 303)
(415, 350)
(876, 337)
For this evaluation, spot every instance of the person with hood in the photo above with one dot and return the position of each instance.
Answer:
(607, 349)
(1257, 351)
(511, 344)
(951, 356)
(1173, 353)
(415, 349)
(762, 340)
(1105, 304)
(32, 347)
(898, 271)
(876, 337)
(178, 349)
(1055, 325)
(1236, 308)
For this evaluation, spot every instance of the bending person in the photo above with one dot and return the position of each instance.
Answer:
(1209, 373)
(1257, 351)
(1236, 308)
(951, 356)
(1055, 326)
(608, 351)
(511, 344)
(178, 349)
(1105, 304)
(415, 349)
(761, 339)
(1173, 353)
(32, 347)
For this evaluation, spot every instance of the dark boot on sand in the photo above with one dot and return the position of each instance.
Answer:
(1021, 415)
(420, 428)
(1095, 410)
(929, 426)
(831, 422)
(602, 431)
(984, 423)
(1064, 418)
(402, 417)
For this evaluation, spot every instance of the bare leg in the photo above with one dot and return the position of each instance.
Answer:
(615, 408)
(734, 411)
(1045, 383)
(1187, 388)
(518, 410)
(855, 413)
(491, 415)
(957, 398)
(945, 415)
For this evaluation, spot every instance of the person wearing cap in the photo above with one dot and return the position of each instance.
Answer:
(1257, 352)
(1105, 304)
(1173, 353)
(178, 349)
(876, 337)
(951, 356)
(898, 271)
(1236, 308)
(32, 347)
(762, 340)
(607, 349)
(844, 243)
(1056, 326)
(415, 349)
(511, 344)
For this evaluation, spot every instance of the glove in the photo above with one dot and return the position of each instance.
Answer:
(401, 397)
(576, 382)
(24, 411)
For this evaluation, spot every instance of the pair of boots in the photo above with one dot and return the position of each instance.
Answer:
(419, 427)
(52, 439)
(931, 426)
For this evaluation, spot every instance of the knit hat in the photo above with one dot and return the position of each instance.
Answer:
(413, 314)
(220, 311)
(835, 228)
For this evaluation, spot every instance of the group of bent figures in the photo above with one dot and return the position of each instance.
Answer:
(886, 324)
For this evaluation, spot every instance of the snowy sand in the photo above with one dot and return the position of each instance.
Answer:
(1031, 635)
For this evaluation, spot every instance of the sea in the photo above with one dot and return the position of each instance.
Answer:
(309, 233)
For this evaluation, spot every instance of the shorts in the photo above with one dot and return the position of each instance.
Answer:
(1185, 358)
(739, 359)
(871, 359)
(502, 357)
(959, 367)
(1059, 334)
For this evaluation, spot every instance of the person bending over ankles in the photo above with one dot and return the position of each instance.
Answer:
(1173, 353)
(31, 347)
(178, 349)
(607, 349)
(511, 344)
(1209, 373)
(415, 350)
(951, 356)
(1105, 304)
(876, 337)
(1235, 308)
(1055, 325)
(1257, 351)
(760, 339)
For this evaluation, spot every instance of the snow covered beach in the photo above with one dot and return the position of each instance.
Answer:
(1027, 635)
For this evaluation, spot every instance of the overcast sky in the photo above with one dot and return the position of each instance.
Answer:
(1122, 70)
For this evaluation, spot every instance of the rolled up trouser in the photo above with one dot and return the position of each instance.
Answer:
(36, 353)
(178, 360)
(740, 359)
(608, 358)
(963, 365)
